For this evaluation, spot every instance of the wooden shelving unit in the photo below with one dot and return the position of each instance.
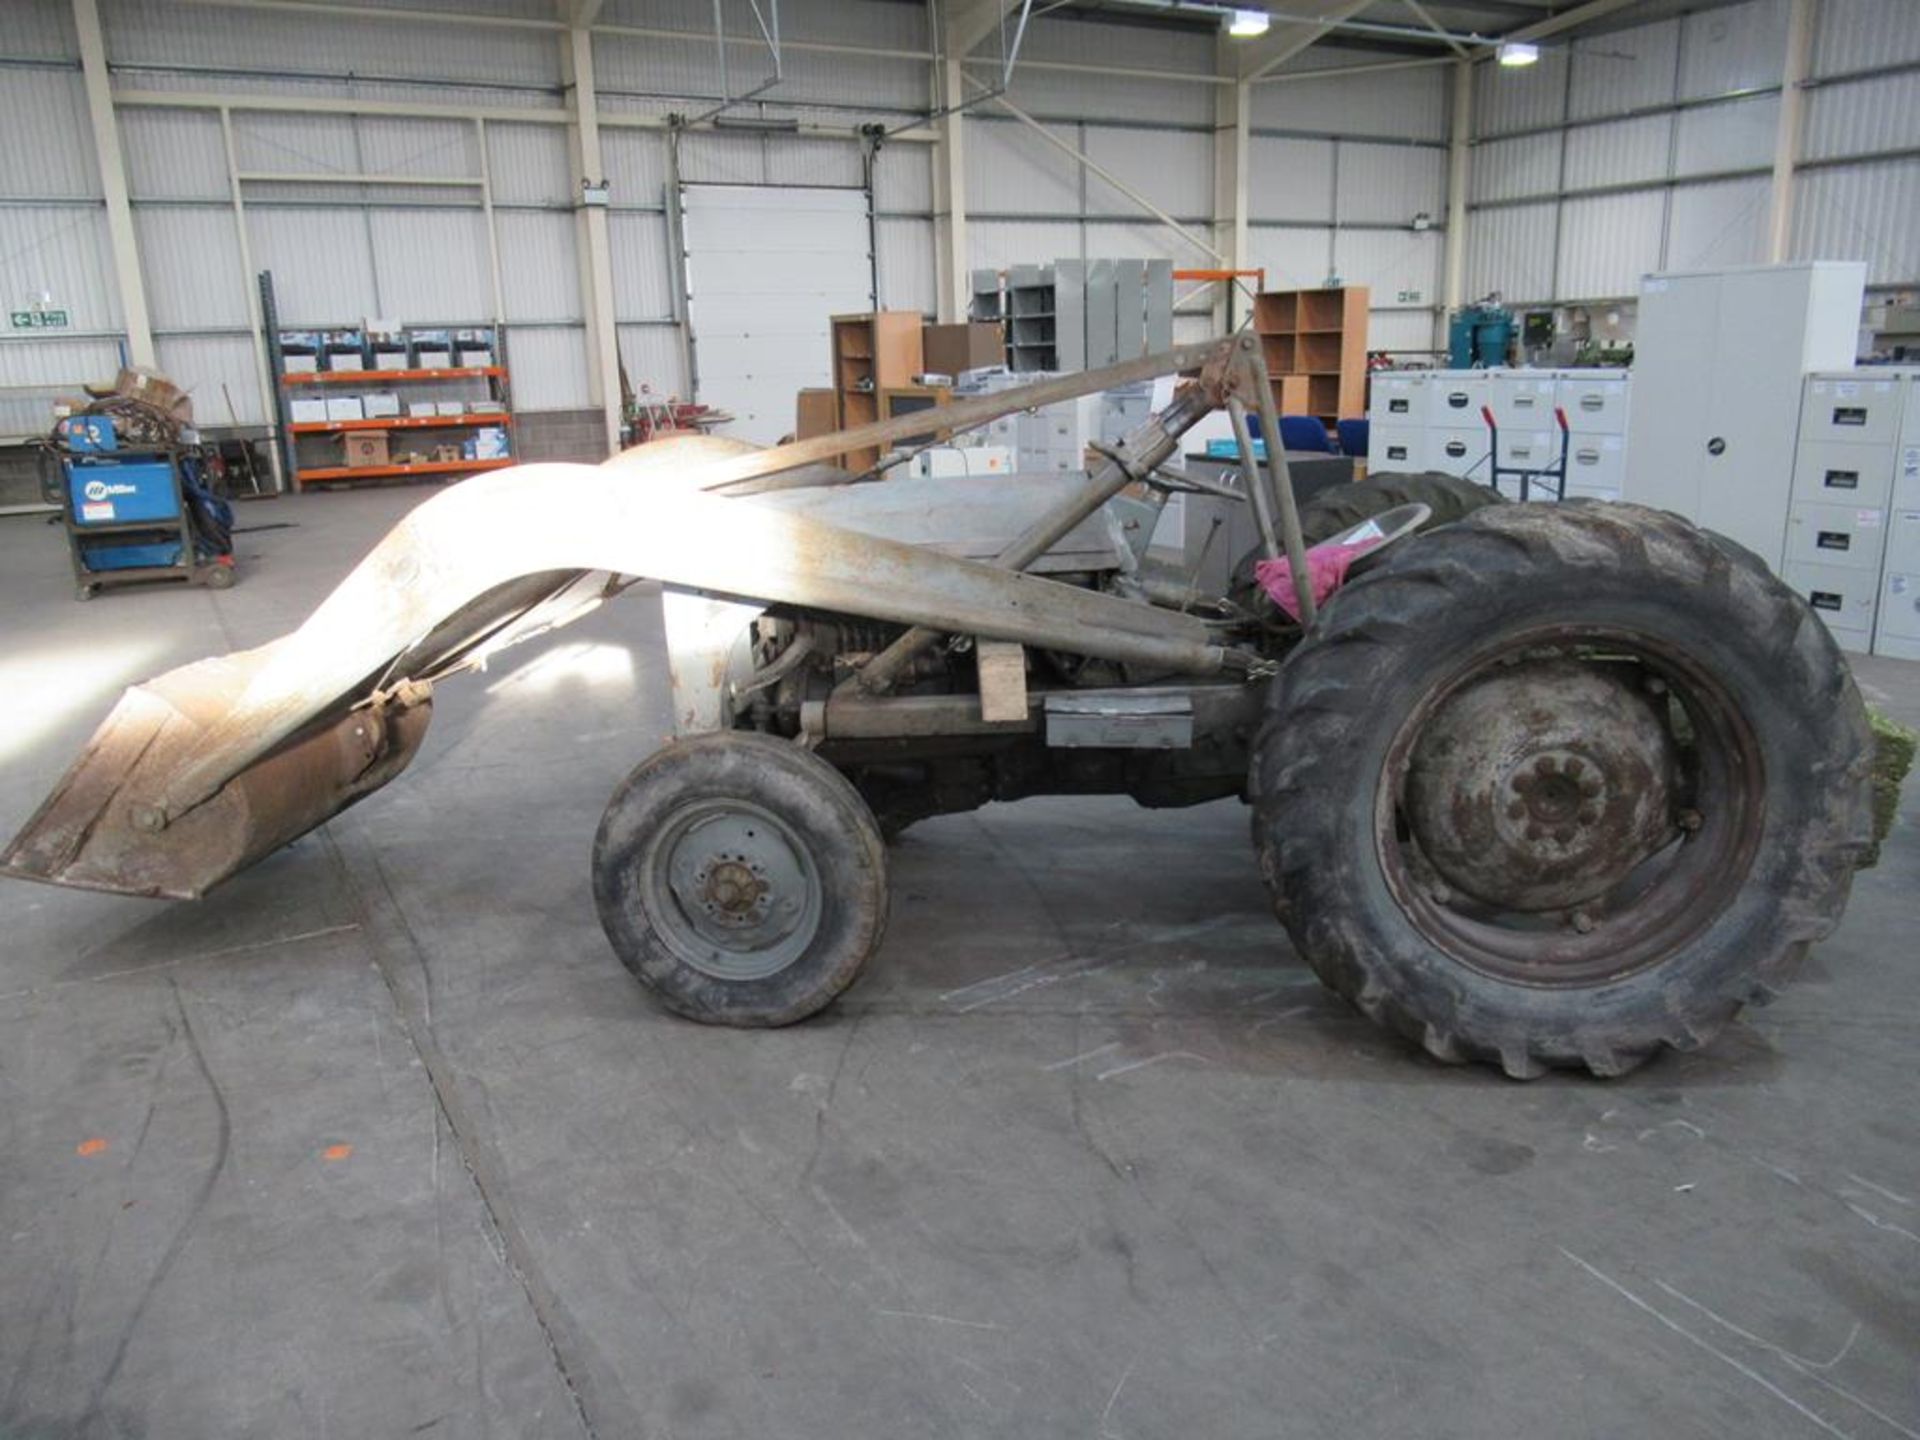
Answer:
(871, 353)
(1315, 344)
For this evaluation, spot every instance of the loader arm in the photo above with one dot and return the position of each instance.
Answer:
(198, 773)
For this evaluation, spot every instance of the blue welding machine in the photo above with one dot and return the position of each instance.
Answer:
(121, 492)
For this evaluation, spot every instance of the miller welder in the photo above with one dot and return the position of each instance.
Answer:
(137, 506)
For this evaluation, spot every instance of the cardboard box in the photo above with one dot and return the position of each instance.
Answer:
(308, 412)
(815, 412)
(345, 360)
(950, 349)
(344, 407)
(420, 408)
(474, 357)
(450, 407)
(366, 448)
(390, 360)
(490, 443)
(485, 407)
(380, 404)
(299, 364)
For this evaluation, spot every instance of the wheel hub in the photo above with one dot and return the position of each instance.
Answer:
(1541, 785)
(734, 889)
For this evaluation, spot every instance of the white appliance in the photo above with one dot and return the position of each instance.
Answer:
(1719, 361)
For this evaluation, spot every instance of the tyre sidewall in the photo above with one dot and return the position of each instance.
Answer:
(1354, 930)
(824, 812)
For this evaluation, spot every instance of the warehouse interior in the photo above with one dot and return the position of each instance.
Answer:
(829, 990)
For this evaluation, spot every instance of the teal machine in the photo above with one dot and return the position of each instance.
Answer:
(1480, 337)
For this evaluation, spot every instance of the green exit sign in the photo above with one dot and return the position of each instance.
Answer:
(38, 319)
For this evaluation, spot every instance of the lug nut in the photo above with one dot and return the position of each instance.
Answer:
(1517, 811)
(1583, 922)
(1588, 814)
(1590, 786)
(1440, 894)
(1691, 820)
(1545, 765)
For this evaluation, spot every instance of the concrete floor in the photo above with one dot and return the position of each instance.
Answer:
(381, 1140)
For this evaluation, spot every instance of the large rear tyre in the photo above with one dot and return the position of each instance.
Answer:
(1559, 786)
(740, 878)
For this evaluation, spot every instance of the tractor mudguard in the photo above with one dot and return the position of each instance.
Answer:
(206, 769)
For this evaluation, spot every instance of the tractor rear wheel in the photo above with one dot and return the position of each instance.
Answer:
(740, 878)
(1559, 786)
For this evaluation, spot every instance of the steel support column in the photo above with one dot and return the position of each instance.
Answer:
(603, 341)
(113, 182)
(950, 184)
(1786, 135)
(1459, 158)
(1232, 145)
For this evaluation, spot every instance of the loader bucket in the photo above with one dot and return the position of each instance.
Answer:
(202, 771)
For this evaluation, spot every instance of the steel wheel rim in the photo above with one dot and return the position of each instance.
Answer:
(731, 889)
(1670, 898)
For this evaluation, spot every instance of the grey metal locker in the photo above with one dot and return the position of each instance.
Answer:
(1718, 361)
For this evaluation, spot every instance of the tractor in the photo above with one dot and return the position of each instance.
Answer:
(1537, 785)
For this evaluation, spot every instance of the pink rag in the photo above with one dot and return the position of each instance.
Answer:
(1326, 568)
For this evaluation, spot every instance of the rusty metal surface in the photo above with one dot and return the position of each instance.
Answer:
(198, 773)
(1541, 785)
(1683, 866)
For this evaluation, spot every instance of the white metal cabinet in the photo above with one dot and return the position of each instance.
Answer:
(1398, 399)
(1719, 357)
(1897, 621)
(1826, 473)
(1596, 465)
(1838, 535)
(1395, 448)
(1455, 399)
(1522, 399)
(1855, 407)
(1842, 596)
(1595, 400)
(1464, 452)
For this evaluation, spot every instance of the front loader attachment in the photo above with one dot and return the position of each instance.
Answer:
(204, 770)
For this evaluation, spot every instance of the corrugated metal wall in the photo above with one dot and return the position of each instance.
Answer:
(1651, 148)
(1638, 149)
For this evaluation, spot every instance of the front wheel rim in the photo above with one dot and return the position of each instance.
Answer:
(731, 889)
(1690, 873)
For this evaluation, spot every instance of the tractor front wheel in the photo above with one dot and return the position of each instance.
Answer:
(740, 878)
(1561, 786)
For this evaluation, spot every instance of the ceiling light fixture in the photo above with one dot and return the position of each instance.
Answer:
(1245, 24)
(1514, 53)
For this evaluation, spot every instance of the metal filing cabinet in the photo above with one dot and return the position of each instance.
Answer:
(1853, 407)
(1466, 452)
(1843, 475)
(1718, 367)
(1897, 618)
(1455, 399)
(1399, 399)
(1393, 448)
(1522, 400)
(1596, 466)
(1595, 401)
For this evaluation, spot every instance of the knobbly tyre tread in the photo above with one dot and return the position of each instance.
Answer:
(812, 797)
(1340, 507)
(1308, 764)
